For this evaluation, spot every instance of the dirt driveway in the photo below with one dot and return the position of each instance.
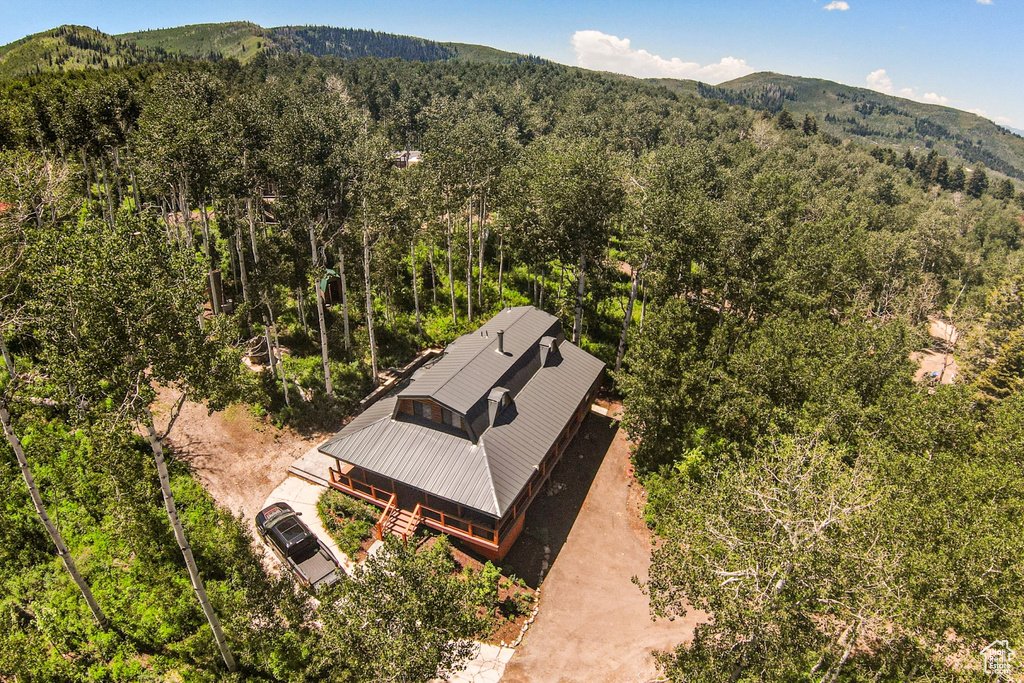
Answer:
(594, 624)
(240, 459)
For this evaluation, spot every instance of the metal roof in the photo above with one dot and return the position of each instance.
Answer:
(487, 475)
(472, 364)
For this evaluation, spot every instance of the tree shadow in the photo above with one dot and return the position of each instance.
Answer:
(553, 512)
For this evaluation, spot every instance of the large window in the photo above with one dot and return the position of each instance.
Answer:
(452, 419)
(424, 410)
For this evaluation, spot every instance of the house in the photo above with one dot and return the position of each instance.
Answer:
(464, 445)
(406, 158)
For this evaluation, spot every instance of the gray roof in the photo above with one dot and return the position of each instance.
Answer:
(472, 366)
(488, 474)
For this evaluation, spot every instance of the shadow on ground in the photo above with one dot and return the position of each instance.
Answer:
(554, 511)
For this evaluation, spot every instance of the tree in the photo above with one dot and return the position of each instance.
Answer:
(403, 617)
(1004, 190)
(957, 179)
(572, 192)
(108, 341)
(51, 528)
(785, 121)
(977, 183)
(810, 125)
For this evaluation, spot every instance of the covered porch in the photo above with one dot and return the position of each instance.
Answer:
(404, 508)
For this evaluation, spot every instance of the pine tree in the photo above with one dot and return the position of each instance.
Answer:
(977, 183)
(810, 125)
(785, 120)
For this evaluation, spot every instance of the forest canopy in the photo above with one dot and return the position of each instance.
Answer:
(756, 286)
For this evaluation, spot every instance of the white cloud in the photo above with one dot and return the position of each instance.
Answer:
(984, 2)
(604, 52)
(933, 98)
(879, 80)
(843, 6)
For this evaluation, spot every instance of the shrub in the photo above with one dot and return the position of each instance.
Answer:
(349, 521)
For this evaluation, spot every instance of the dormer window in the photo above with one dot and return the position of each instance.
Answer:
(422, 409)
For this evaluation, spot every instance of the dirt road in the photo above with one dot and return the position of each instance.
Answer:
(594, 624)
(240, 459)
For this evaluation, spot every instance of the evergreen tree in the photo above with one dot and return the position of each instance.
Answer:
(785, 121)
(977, 183)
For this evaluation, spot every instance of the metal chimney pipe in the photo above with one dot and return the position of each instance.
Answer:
(501, 341)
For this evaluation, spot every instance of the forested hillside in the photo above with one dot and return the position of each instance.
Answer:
(756, 287)
(70, 48)
(873, 117)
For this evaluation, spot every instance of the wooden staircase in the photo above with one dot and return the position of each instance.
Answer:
(401, 523)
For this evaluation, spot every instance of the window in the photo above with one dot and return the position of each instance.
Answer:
(424, 410)
(452, 419)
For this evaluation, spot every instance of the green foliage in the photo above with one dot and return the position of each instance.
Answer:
(483, 585)
(348, 521)
(780, 281)
(405, 616)
(100, 485)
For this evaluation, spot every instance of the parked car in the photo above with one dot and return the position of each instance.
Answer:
(291, 540)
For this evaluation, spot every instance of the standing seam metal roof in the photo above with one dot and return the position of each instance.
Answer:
(488, 475)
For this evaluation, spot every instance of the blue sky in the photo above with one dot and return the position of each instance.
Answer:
(963, 53)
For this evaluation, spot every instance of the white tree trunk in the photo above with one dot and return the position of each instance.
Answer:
(415, 287)
(252, 230)
(51, 529)
(433, 272)
(626, 320)
(369, 299)
(577, 322)
(344, 296)
(186, 549)
(501, 270)
(451, 272)
(242, 268)
(481, 242)
(469, 263)
(320, 314)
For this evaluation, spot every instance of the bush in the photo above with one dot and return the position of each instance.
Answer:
(483, 586)
(349, 521)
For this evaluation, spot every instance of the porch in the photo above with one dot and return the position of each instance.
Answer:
(404, 508)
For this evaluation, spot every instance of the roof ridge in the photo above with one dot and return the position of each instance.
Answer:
(490, 476)
(483, 348)
(339, 436)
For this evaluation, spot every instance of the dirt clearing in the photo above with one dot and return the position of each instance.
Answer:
(594, 623)
(239, 458)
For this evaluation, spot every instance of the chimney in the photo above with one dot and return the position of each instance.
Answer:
(548, 350)
(501, 341)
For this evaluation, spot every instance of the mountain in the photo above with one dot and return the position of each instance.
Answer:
(76, 47)
(844, 111)
(244, 40)
(872, 117)
(71, 47)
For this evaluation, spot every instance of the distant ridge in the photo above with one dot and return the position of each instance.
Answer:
(846, 112)
(69, 48)
(871, 117)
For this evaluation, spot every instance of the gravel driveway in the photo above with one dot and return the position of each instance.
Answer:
(594, 623)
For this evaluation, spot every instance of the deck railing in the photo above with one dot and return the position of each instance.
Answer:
(360, 489)
(412, 523)
(448, 523)
(385, 517)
